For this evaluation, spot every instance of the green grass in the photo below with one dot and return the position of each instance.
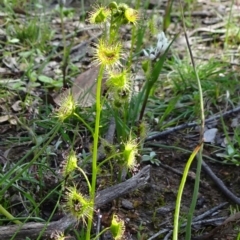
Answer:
(169, 96)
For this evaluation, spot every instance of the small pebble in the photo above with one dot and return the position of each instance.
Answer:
(127, 204)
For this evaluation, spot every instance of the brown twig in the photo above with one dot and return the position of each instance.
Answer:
(209, 212)
(220, 184)
(229, 220)
(193, 124)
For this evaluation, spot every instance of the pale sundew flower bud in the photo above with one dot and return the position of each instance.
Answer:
(161, 46)
(162, 43)
(149, 53)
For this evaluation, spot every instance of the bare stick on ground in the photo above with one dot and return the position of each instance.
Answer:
(193, 124)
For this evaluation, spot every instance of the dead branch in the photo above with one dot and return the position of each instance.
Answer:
(190, 125)
(220, 184)
(229, 221)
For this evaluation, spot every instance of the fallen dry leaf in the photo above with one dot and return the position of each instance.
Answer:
(4, 118)
(83, 89)
(8, 118)
(17, 106)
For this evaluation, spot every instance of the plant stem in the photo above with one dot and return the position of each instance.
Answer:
(195, 195)
(84, 122)
(8, 215)
(65, 52)
(86, 178)
(95, 148)
(202, 117)
(180, 192)
(132, 47)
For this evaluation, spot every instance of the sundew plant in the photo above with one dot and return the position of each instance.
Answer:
(116, 67)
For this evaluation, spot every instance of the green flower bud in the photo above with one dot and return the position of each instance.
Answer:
(99, 15)
(113, 5)
(117, 228)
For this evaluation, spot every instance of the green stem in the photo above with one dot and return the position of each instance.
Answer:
(8, 215)
(202, 116)
(180, 192)
(65, 54)
(132, 47)
(228, 24)
(195, 195)
(108, 159)
(146, 95)
(84, 122)
(95, 148)
(86, 178)
(103, 231)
